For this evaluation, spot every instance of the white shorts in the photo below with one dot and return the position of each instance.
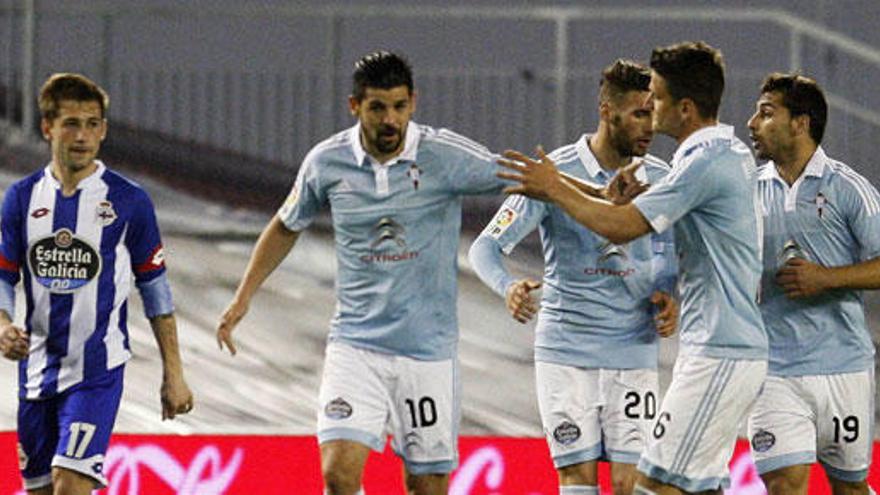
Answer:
(693, 438)
(367, 395)
(593, 413)
(799, 419)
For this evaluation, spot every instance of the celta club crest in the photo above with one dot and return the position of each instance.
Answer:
(387, 229)
(105, 213)
(414, 173)
(821, 201)
(608, 250)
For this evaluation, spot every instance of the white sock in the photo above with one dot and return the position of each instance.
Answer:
(578, 490)
(639, 490)
(871, 491)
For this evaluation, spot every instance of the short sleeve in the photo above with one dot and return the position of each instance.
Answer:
(473, 167)
(684, 189)
(143, 241)
(863, 215)
(305, 199)
(11, 247)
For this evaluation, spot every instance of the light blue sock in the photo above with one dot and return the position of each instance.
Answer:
(638, 490)
(578, 490)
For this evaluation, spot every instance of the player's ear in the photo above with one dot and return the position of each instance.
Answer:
(45, 126)
(353, 105)
(605, 111)
(801, 125)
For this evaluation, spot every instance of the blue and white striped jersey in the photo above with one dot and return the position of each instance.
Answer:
(595, 309)
(711, 198)
(830, 216)
(396, 227)
(76, 256)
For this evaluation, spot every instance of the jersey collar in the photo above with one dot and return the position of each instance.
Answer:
(591, 164)
(93, 180)
(815, 167)
(410, 145)
(701, 136)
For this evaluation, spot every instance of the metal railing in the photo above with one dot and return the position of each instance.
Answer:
(278, 114)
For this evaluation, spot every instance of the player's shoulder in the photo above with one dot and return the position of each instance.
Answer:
(846, 180)
(330, 147)
(448, 141)
(27, 182)
(565, 156)
(656, 164)
(115, 180)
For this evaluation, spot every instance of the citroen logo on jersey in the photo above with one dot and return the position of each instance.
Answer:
(388, 244)
(387, 229)
(608, 249)
(62, 262)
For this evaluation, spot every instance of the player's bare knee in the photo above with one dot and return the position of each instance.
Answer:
(840, 487)
(583, 473)
(787, 481)
(427, 484)
(623, 478)
(67, 482)
(341, 483)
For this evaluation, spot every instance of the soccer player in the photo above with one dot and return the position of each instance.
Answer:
(596, 343)
(394, 188)
(821, 248)
(710, 197)
(76, 232)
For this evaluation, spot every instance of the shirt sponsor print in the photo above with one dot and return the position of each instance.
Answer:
(62, 262)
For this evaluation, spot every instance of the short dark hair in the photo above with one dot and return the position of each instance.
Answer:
(70, 86)
(801, 95)
(383, 70)
(621, 77)
(692, 70)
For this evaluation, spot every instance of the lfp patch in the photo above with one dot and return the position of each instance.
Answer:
(501, 222)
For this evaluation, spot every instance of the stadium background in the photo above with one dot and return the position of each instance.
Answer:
(213, 104)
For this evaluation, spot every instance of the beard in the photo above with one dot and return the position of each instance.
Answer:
(383, 144)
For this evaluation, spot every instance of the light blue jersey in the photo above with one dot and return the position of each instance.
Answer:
(711, 198)
(595, 309)
(830, 217)
(397, 232)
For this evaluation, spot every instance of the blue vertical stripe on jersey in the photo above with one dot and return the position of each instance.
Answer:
(61, 305)
(96, 349)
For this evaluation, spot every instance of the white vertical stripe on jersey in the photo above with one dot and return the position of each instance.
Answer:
(42, 196)
(83, 316)
(115, 340)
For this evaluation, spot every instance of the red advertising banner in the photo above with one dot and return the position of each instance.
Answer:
(284, 465)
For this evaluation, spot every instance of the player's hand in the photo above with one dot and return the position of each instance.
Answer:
(666, 318)
(624, 187)
(230, 318)
(537, 179)
(14, 342)
(176, 397)
(800, 278)
(520, 303)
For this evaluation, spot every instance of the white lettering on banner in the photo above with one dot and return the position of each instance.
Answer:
(205, 474)
(486, 459)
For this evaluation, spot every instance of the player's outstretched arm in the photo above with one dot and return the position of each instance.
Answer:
(175, 393)
(541, 180)
(271, 248)
(802, 278)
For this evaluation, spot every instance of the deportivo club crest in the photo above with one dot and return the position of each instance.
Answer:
(105, 213)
